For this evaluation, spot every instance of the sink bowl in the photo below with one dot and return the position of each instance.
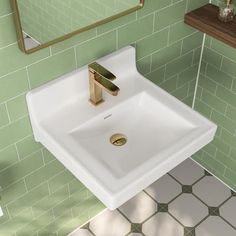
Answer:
(156, 132)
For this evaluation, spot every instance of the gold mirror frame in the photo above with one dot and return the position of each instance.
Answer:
(62, 38)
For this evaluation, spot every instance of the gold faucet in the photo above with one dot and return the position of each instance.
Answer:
(100, 78)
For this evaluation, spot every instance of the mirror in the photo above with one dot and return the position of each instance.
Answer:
(41, 23)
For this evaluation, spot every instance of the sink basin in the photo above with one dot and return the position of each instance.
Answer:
(159, 131)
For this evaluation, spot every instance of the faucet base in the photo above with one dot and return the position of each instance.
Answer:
(96, 103)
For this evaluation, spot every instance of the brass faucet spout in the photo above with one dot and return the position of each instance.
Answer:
(100, 78)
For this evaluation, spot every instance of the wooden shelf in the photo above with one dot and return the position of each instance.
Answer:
(206, 20)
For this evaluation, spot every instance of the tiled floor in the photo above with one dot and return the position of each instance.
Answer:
(188, 201)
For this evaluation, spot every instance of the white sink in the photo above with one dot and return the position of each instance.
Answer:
(161, 131)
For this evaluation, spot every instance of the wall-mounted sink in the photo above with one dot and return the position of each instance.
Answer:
(155, 131)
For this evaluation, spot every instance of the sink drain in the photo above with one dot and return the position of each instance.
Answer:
(118, 139)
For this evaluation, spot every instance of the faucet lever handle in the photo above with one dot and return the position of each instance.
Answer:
(96, 68)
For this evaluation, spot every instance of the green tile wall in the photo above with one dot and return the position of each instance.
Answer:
(40, 197)
(216, 99)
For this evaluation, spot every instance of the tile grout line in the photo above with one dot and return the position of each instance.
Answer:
(199, 70)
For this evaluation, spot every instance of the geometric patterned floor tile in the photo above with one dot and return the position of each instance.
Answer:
(81, 232)
(188, 210)
(139, 208)
(187, 172)
(164, 189)
(162, 224)
(228, 211)
(176, 211)
(208, 187)
(110, 223)
(215, 226)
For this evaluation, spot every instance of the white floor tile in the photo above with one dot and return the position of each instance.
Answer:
(162, 224)
(188, 172)
(214, 226)
(211, 191)
(81, 232)
(110, 223)
(165, 189)
(139, 208)
(228, 211)
(188, 210)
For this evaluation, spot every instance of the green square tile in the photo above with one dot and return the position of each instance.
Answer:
(214, 211)
(189, 231)
(86, 226)
(187, 189)
(162, 207)
(207, 173)
(136, 228)
(233, 193)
